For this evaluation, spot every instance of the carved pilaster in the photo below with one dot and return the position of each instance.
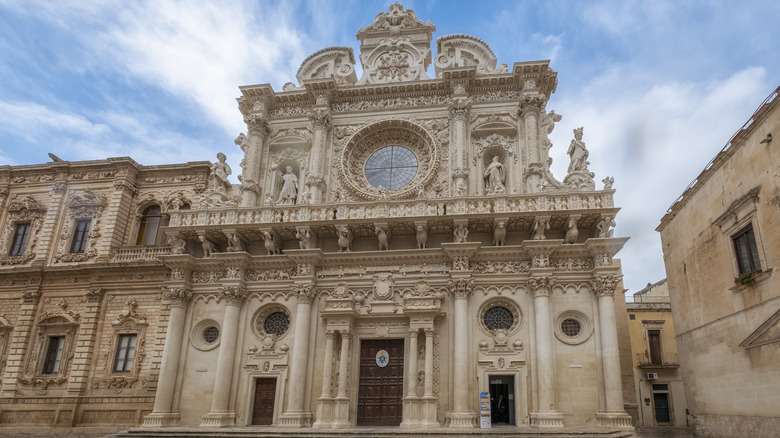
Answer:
(460, 108)
(320, 118)
(95, 294)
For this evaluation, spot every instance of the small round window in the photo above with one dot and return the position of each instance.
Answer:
(570, 327)
(498, 318)
(276, 324)
(205, 335)
(391, 167)
(210, 335)
(573, 327)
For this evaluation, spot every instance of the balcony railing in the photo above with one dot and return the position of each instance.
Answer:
(139, 253)
(663, 360)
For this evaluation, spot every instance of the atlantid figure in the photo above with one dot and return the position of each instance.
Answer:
(289, 189)
(495, 177)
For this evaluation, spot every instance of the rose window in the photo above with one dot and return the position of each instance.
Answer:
(276, 324)
(391, 167)
(498, 318)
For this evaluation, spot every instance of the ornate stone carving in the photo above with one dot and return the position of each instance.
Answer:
(466, 51)
(95, 294)
(461, 288)
(273, 242)
(383, 237)
(578, 176)
(540, 286)
(461, 233)
(332, 62)
(495, 177)
(541, 260)
(345, 237)
(129, 313)
(305, 294)
(422, 237)
(61, 311)
(304, 238)
(177, 296)
(604, 285)
(460, 108)
(571, 231)
(209, 247)
(541, 226)
(234, 295)
(21, 209)
(383, 286)
(604, 227)
(218, 178)
(499, 234)
(235, 243)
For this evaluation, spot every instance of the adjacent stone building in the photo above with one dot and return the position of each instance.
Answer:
(397, 244)
(721, 244)
(657, 375)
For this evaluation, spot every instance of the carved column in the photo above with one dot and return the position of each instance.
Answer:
(341, 407)
(163, 415)
(320, 123)
(615, 415)
(20, 337)
(85, 344)
(411, 409)
(220, 415)
(548, 414)
(257, 122)
(429, 401)
(461, 415)
(296, 414)
(325, 402)
(459, 113)
(529, 110)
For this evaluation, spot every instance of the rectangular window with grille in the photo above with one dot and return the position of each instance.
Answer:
(125, 351)
(19, 240)
(747, 251)
(53, 357)
(80, 235)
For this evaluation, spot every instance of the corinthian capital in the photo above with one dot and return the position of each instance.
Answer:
(541, 286)
(177, 296)
(460, 108)
(257, 122)
(305, 294)
(234, 295)
(461, 288)
(320, 118)
(604, 285)
(530, 104)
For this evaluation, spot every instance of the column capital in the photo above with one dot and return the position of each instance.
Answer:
(320, 118)
(461, 288)
(234, 295)
(413, 332)
(459, 108)
(604, 285)
(257, 122)
(530, 104)
(330, 334)
(345, 334)
(540, 286)
(179, 297)
(305, 293)
(429, 332)
(95, 294)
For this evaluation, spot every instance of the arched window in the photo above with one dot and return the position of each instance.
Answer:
(149, 232)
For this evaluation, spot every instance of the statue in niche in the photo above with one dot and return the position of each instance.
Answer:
(461, 189)
(289, 189)
(461, 233)
(495, 177)
(219, 174)
(571, 231)
(540, 227)
(578, 153)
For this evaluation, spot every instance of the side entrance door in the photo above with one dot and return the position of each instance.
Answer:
(502, 399)
(263, 410)
(381, 382)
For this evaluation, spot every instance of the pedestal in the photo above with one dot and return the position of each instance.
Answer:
(547, 419)
(341, 413)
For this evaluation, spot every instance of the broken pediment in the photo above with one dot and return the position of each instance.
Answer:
(766, 333)
(462, 50)
(333, 62)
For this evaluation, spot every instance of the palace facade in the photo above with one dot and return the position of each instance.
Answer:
(396, 246)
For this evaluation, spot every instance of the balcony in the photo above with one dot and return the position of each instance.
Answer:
(663, 360)
(140, 253)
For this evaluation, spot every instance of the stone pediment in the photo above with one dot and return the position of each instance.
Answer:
(766, 333)
(332, 62)
(462, 50)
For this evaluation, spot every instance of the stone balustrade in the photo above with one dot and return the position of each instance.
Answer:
(139, 253)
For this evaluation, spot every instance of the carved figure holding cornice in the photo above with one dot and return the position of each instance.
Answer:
(499, 234)
(608, 181)
(495, 177)
(345, 238)
(548, 122)
(571, 231)
(219, 174)
(383, 238)
(306, 197)
(461, 233)
(178, 245)
(208, 246)
(422, 237)
(273, 243)
(304, 239)
(236, 244)
(604, 227)
(540, 227)
(289, 189)
(578, 153)
(268, 199)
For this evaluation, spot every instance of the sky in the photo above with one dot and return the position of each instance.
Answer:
(659, 86)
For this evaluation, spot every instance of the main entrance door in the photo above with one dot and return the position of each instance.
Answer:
(263, 410)
(381, 387)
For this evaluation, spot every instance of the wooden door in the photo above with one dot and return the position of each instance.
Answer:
(381, 388)
(263, 410)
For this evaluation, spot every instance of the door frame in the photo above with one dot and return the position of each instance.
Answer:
(249, 386)
(275, 413)
(519, 371)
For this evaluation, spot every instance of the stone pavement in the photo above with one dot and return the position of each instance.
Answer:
(665, 432)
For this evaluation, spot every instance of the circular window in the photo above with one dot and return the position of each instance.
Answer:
(205, 335)
(272, 320)
(391, 167)
(498, 318)
(570, 327)
(573, 327)
(276, 324)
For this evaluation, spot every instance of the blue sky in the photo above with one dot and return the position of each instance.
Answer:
(659, 86)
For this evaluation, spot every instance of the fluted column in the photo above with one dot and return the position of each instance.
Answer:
(459, 112)
(253, 146)
(220, 415)
(296, 414)
(320, 123)
(461, 416)
(548, 414)
(162, 414)
(615, 415)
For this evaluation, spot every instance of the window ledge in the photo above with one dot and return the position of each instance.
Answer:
(758, 278)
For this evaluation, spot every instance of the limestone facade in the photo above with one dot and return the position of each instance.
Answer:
(721, 244)
(397, 244)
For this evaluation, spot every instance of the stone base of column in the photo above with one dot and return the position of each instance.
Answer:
(162, 419)
(218, 419)
(324, 413)
(429, 408)
(295, 419)
(461, 419)
(341, 413)
(546, 419)
(411, 413)
(614, 419)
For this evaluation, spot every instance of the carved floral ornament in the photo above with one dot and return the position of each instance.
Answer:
(461, 288)
(541, 286)
(177, 296)
(233, 295)
(604, 285)
(387, 133)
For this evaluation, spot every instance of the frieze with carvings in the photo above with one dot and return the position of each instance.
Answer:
(572, 264)
(401, 102)
(502, 267)
(203, 277)
(272, 274)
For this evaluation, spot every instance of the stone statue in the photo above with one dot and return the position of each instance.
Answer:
(571, 231)
(604, 227)
(495, 177)
(499, 234)
(344, 238)
(422, 237)
(219, 174)
(578, 153)
(461, 189)
(548, 122)
(306, 197)
(289, 188)
(236, 244)
(540, 227)
(273, 243)
(461, 233)
(268, 199)
(383, 238)
(304, 239)
(608, 181)
(208, 246)
(178, 245)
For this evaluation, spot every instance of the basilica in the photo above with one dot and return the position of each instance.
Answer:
(397, 253)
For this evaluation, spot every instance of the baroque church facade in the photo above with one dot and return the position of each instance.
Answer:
(397, 245)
